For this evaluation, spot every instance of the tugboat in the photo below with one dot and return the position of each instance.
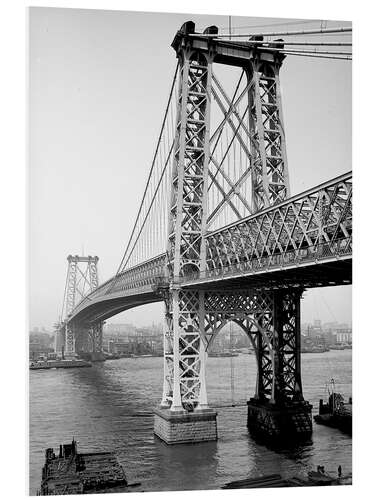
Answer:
(336, 412)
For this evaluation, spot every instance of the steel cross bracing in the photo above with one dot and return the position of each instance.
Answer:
(251, 271)
(185, 356)
(82, 279)
(311, 227)
(269, 318)
(314, 228)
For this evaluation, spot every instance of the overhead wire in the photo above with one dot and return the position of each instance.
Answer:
(321, 31)
(284, 42)
(310, 51)
(285, 23)
(342, 58)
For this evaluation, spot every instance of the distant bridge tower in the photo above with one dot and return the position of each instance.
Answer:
(195, 315)
(81, 279)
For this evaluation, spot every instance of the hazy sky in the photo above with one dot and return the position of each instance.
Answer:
(98, 88)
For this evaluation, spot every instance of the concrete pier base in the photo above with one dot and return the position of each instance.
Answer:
(185, 427)
(280, 423)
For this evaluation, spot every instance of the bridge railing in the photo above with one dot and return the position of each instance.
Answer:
(313, 226)
(292, 258)
(313, 220)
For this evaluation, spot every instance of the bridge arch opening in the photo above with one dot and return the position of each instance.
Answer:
(232, 369)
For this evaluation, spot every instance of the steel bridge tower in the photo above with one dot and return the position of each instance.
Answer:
(81, 280)
(195, 315)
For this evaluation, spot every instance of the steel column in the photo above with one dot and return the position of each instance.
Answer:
(188, 218)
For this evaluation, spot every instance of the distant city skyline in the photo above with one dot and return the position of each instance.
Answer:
(109, 323)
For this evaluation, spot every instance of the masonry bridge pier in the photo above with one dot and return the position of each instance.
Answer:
(220, 238)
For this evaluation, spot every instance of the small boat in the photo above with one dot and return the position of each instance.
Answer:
(223, 354)
(314, 349)
(59, 363)
(319, 478)
(336, 412)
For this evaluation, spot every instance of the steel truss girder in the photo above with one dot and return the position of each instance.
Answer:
(307, 227)
(83, 337)
(270, 177)
(310, 226)
(271, 320)
(70, 347)
(96, 332)
(190, 166)
(184, 353)
(80, 282)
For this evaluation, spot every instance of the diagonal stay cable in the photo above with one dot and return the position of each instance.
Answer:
(229, 111)
(218, 167)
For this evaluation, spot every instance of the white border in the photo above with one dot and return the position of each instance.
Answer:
(13, 297)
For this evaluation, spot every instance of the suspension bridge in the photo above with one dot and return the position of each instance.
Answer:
(218, 237)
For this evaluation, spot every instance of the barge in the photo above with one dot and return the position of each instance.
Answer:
(59, 363)
(73, 473)
(336, 412)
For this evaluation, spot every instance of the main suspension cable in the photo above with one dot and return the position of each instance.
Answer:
(64, 296)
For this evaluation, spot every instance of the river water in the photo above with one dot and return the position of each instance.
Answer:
(109, 407)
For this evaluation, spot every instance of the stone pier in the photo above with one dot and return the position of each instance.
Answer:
(185, 427)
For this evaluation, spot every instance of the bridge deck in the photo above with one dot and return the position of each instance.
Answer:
(305, 241)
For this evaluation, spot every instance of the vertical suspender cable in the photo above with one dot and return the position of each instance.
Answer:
(151, 171)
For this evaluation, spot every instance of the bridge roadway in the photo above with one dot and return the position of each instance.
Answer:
(305, 241)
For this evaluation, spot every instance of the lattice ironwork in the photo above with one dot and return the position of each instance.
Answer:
(70, 346)
(184, 355)
(189, 175)
(81, 280)
(270, 176)
(271, 320)
(313, 225)
(96, 334)
(246, 179)
(253, 311)
(287, 384)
